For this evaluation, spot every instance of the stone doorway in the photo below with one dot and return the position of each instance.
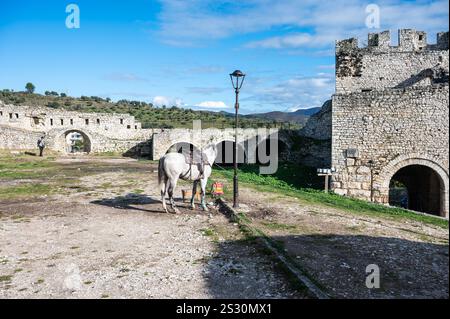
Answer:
(417, 187)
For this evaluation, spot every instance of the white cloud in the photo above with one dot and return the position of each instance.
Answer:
(298, 92)
(293, 41)
(212, 105)
(190, 21)
(167, 101)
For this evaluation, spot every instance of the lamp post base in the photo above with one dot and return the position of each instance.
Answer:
(235, 192)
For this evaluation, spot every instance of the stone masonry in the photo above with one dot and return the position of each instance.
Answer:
(21, 126)
(390, 111)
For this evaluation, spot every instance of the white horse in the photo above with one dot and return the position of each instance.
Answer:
(196, 168)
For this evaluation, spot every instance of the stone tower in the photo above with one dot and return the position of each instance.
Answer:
(390, 120)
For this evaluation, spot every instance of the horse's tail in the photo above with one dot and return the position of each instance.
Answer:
(161, 175)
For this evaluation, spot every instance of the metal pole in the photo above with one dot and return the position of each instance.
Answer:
(235, 162)
(326, 183)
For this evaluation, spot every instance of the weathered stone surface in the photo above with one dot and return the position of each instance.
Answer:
(20, 126)
(391, 105)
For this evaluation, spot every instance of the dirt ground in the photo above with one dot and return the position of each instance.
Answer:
(102, 234)
(335, 247)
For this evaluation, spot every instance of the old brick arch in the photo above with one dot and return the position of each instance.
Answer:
(413, 164)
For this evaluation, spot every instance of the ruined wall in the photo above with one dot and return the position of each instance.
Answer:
(16, 138)
(313, 145)
(20, 126)
(380, 65)
(247, 139)
(45, 119)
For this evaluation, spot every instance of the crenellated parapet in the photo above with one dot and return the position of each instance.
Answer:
(380, 65)
(408, 40)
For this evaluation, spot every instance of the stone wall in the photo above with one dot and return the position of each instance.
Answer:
(372, 130)
(247, 138)
(16, 138)
(20, 126)
(313, 145)
(318, 125)
(380, 65)
(45, 119)
(390, 111)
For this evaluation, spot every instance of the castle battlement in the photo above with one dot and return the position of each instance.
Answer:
(379, 65)
(408, 40)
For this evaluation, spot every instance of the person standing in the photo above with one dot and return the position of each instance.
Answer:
(41, 145)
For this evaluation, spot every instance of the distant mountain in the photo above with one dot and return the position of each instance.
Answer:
(299, 116)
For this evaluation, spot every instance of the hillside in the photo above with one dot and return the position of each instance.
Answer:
(299, 116)
(146, 113)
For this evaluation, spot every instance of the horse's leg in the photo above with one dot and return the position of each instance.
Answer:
(194, 191)
(173, 184)
(203, 183)
(164, 190)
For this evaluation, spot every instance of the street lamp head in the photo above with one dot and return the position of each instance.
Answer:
(237, 73)
(237, 79)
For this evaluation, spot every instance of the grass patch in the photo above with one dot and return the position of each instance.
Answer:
(25, 190)
(279, 226)
(6, 278)
(279, 183)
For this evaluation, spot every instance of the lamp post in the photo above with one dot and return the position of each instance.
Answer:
(237, 79)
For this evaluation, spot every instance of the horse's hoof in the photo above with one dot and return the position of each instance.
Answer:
(193, 207)
(205, 209)
(176, 211)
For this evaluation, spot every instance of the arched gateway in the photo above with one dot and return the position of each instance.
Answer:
(417, 183)
(73, 141)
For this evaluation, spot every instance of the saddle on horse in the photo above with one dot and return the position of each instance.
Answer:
(197, 158)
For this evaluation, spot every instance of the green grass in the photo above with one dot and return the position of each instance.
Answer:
(23, 167)
(25, 190)
(279, 226)
(5, 278)
(286, 184)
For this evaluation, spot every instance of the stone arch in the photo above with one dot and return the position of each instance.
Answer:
(182, 146)
(61, 142)
(225, 152)
(404, 161)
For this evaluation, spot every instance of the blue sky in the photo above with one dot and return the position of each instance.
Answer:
(181, 51)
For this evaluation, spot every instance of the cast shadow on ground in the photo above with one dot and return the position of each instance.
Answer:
(408, 269)
(140, 202)
(131, 201)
